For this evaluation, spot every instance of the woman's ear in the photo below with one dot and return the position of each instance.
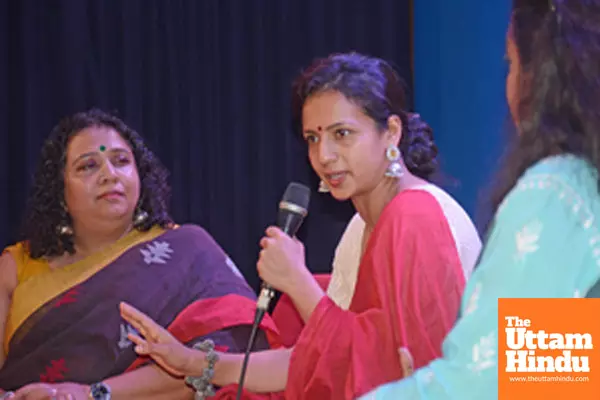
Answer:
(394, 130)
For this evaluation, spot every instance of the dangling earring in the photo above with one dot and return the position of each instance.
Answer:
(140, 217)
(323, 188)
(394, 170)
(64, 230)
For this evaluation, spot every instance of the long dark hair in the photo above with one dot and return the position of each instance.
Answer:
(45, 211)
(558, 42)
(372, 84)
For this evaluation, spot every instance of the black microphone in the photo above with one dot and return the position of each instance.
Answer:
(293, 207)
(292, 210)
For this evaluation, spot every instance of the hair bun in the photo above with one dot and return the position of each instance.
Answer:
(418, 146)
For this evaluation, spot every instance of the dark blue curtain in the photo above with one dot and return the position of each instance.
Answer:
(459, 80)
(206, 82)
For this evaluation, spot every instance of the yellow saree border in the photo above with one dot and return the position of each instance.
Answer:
(39, 289)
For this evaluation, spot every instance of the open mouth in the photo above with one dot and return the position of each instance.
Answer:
(335, 179)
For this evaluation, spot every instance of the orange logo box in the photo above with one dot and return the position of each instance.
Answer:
(548, 349)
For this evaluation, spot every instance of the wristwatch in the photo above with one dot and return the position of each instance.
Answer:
(100, 391)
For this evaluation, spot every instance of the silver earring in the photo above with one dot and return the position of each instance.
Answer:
(140, 217)
(394, 170)
(64, 230)
(323, 188)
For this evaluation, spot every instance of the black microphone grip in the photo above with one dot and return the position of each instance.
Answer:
(289, 219)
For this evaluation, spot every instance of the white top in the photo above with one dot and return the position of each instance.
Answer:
(348, 252)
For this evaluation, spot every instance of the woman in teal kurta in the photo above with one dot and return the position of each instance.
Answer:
(544, 241)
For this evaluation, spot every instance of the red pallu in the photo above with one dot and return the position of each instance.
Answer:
(211, 315)
(407, 295)
(290, 325)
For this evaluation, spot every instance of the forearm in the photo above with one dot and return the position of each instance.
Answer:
(267, 370)
(148, 383)
(306, 294)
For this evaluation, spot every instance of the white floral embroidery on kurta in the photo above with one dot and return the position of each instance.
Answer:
(484, 353)
(577, 294)
(595, 239)
(427, 377)
(124, 341)
(157, 252)
(473, 300)
(527, 239)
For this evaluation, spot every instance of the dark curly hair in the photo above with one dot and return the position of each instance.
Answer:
(45, 211)
(373, 85)
(558, 42)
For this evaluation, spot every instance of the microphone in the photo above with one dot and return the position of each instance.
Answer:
(293, 207)
(292, 210)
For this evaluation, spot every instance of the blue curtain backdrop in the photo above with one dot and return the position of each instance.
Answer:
(459, 80)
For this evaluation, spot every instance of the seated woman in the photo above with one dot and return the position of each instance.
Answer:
(545, 236)
(97, 232)
(367, 148)
(349, 250)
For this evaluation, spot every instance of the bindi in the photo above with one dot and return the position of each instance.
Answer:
(102, 148)
(319, 128)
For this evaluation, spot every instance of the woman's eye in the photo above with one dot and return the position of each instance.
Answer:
(342, 132)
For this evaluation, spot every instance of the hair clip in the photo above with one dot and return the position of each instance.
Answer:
(552, 5)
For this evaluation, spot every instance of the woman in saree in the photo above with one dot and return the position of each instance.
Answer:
(97, 232)
(543, 241)
(365, 147)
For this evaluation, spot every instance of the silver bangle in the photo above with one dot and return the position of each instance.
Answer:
(202, 384)
(7, 395)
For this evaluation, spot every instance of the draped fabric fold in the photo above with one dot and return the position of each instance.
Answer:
(406, 299)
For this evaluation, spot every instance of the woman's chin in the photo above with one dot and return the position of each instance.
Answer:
(340, 194)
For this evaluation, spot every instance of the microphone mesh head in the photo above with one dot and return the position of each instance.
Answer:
(297, 193)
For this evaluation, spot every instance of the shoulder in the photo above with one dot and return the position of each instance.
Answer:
(414, 214)
(192, 230)
(9, 265)
(413, 205)
(566, 182)
(553, 206)
(558, 173)
(196, 235)
(18, 252)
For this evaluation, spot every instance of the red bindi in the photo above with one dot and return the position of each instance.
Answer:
(319, 128)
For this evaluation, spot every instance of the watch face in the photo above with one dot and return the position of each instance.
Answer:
(100, 391)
